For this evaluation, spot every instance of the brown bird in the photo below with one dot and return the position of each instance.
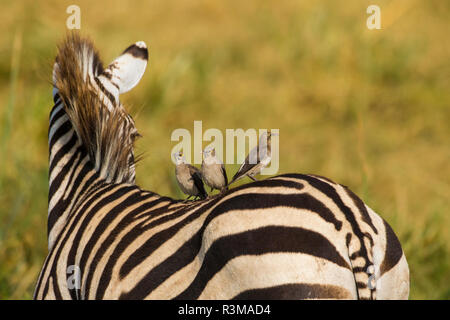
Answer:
(213, 171)
(258, 158)
(189, 178)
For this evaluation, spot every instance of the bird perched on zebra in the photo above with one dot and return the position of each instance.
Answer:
(213, 171)
(189, 178)
(292, 236)
(257, 159)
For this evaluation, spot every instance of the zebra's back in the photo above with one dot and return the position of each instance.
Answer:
(288, 237)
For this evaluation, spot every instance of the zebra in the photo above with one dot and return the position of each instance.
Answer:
(291, 236)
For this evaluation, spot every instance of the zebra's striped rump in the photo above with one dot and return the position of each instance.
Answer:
(275, 239)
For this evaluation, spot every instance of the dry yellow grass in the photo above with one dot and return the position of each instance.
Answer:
(368, 109)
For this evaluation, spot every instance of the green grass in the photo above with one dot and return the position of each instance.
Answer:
(368, 109)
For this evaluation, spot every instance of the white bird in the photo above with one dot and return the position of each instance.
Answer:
(258, 158)
(213, 171)
(189, 178)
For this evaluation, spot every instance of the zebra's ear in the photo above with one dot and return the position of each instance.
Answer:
(127, 69)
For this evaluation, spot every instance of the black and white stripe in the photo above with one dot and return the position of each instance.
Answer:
(292, 236)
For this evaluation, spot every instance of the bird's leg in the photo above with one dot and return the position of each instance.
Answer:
(223, 190)
(187, 199)
(212, 189)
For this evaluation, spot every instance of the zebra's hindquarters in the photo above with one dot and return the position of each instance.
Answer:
(287, 237)
(265, 241)
(274, 262)
(390, 276)
(310, 239)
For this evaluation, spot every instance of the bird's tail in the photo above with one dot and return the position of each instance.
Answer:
(235, 178)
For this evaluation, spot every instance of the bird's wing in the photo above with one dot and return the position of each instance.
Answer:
(224, 174)
(243, 169)
(197, 177)
(253, 156)
(246, 166)
(192, 169)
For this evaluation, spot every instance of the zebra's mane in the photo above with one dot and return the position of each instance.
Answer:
(102, 125)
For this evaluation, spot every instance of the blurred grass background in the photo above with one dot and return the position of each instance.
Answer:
(368, 109)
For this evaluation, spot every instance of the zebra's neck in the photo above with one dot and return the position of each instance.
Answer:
(91, 136)
(72, 175)
(70, 171)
